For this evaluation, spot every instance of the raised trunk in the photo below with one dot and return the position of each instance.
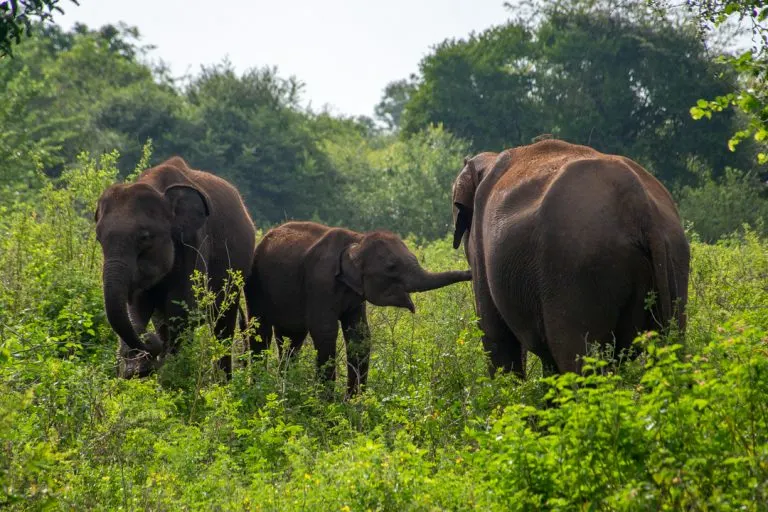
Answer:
(431, 281)
(116, 277)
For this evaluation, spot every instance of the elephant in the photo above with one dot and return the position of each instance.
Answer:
(564, 244)
(154, 233)
(308, 277)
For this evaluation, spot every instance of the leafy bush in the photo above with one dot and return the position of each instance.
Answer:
(402, 185)
(684, 426)
(720, 207)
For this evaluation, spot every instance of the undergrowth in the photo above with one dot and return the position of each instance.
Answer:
(683, 427)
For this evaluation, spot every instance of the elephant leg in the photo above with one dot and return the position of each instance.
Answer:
(324, 333)
(357, 337)
(295, 338)
(572, 325)
(225, 329)
(135, 363)
(264, 335)
(172, 321)
(502, 345)
(633, 320)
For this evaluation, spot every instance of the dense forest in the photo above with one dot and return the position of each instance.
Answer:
(682, 427)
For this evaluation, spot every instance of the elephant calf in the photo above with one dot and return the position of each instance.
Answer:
(307, 277)
(565, 243)
(154, 233)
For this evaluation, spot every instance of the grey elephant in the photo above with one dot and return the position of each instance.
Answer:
(154, 233)
(565, 244)
(308, 277)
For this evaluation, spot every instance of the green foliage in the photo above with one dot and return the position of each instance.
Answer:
(717, 208)
(682, 427)
(252, 132)
(17, 16)
(403, 186)
(84, 89)
(616, 76)
(479, 89)
(750, 95)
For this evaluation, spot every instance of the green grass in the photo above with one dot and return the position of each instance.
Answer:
(684, 427)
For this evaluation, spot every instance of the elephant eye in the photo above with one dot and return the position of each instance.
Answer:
(145, 236)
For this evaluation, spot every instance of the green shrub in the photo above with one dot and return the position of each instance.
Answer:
(720, 207)
(683, 427)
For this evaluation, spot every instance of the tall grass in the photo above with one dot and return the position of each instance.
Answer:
(683, 427)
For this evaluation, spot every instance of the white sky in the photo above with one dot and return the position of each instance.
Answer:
(344, 51)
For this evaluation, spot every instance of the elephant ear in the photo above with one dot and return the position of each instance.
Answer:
(190, 208)
(349, 270)
(463, 199)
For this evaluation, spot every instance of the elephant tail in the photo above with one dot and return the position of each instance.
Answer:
(661, 265)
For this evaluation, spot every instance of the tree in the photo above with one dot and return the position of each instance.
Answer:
(479, 89)
(622, 80)
(613, 75)
(250, 129)
(750, 94)
(61, 94)
(396, 95)
(17, 17)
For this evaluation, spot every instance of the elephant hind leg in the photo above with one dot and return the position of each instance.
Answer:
(295, 342)
(264, 333)
(634, 319)
(572, 328)
(503, 347)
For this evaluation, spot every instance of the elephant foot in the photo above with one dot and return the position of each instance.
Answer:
(135, 363)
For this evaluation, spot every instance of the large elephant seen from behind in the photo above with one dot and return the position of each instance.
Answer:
(154, 233)
(308, 277)
(566, 244)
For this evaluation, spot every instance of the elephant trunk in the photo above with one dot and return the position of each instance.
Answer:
(117, 277)
(431, 281)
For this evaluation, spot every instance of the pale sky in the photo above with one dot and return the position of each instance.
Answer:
(344, 51)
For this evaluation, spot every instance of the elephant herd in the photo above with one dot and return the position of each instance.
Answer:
(565, 246)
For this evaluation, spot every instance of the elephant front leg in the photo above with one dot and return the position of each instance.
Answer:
(174, 318)
(324, 334)
(138, 363)
(357, 337)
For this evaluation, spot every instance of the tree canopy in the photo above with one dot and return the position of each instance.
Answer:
(18, 16)
(621, 79)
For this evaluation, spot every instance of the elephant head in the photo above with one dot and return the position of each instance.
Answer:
(139, 229)
(464, 188)
(382, 270)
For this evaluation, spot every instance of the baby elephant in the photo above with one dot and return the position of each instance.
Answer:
(307, 277)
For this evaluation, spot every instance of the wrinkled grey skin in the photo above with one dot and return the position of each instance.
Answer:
(565, 244)
(153, 234)
(308, 277)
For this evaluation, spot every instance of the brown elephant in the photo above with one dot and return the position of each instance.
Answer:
(153, 234)
(307, 277)
(565, 244)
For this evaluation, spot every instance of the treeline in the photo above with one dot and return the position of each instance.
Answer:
(620, 78)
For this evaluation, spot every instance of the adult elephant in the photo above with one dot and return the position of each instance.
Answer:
(565, 244)
(308, 277)
(154, 233)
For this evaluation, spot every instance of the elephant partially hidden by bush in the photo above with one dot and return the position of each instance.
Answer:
(154, 233)
(307, 277)
(565, 244)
